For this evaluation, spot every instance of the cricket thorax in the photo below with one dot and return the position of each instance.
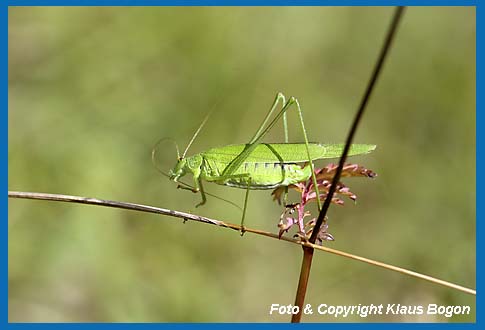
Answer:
(194, 163)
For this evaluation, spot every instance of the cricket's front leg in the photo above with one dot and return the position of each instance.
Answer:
(197, 187)
(194, 190)
(200, 187)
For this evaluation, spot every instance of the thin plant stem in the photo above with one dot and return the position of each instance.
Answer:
(187, 216)
(307, 256)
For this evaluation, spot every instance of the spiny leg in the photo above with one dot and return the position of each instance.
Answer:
(260, 133)
(292, 100)
(263, 131)
(278, 97)
(314, 178)
(185, 186)
(198, 187)
(285, 131)
(243, 228)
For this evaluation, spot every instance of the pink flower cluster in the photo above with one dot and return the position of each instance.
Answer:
(295, 214)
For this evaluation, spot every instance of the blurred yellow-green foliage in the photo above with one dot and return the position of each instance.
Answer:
(92, 89)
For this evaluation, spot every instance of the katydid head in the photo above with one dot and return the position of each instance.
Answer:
(178, 170)
(190, 164)
(184, 164)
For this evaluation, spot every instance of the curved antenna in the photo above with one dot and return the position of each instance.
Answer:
(154, 151)
(196, 133)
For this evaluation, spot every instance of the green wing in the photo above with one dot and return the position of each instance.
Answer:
(284, 152)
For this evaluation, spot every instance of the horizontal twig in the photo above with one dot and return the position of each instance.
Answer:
(188, 216)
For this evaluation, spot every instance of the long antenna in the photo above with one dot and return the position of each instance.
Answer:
(155, 147)
(195, 134)
(154, 151)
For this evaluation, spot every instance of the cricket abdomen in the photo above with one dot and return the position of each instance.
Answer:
(256, 175)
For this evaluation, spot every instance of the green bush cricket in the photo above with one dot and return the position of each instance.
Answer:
(258, 165)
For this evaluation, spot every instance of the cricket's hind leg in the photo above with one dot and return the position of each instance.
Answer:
(243, 228)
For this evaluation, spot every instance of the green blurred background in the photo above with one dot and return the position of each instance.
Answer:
(92, 89)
